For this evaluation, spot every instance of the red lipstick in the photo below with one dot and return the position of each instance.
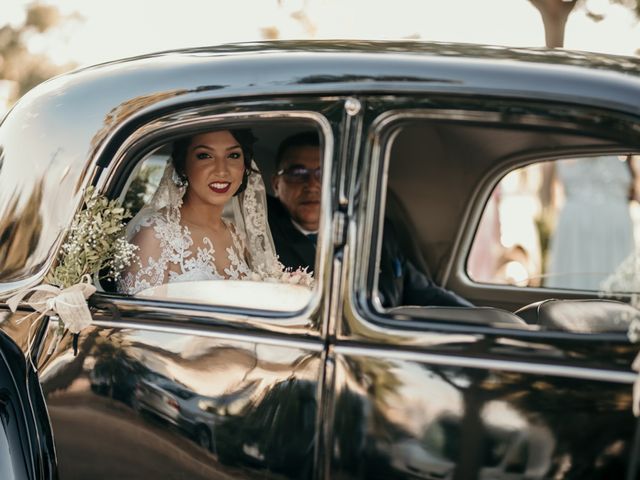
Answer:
(220, 187)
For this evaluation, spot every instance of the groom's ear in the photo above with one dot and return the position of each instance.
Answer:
(275, 183)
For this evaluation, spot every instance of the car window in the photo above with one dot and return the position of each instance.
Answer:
(178, 260)
(426, 249)
(569, 223)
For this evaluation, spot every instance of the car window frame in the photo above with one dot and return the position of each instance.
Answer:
(365, 319)
(159, 131)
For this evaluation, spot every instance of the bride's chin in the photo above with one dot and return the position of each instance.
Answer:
(220, 200)
(211, 199)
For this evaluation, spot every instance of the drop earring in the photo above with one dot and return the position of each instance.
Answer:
(180, 181)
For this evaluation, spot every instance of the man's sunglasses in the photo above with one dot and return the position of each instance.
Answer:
(300, 174)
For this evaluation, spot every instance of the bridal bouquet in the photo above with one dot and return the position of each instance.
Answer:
(95, 244)
(94, 248)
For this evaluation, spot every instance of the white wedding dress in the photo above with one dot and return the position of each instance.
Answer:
(175, 257)
(172, 255)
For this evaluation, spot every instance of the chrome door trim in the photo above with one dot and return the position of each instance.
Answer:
(311, 344)
(489, 364)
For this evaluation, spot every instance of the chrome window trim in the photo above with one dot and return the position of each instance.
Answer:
(186, 119)
(602, 375)
(310, 344)
(360, 257)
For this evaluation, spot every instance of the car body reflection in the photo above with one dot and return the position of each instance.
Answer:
(240, 427)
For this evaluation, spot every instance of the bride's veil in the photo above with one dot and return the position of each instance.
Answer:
(249, 215)
(167, 196)
(247, 211)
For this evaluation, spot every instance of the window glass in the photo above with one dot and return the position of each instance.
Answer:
(569, 223)
(145, 180)
(199, 242)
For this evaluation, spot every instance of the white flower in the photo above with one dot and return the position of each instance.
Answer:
(297, 277)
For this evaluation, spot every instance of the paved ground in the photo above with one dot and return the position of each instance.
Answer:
(100, 438)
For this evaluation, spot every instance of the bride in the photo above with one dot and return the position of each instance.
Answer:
(207, 219)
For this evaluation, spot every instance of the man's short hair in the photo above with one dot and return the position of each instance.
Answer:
(303, 139)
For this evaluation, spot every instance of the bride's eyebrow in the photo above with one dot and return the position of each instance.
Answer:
(209, 148)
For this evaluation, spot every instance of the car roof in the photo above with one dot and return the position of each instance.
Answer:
(420, 49)
(93, 101)
(312, 66)
(54, 136)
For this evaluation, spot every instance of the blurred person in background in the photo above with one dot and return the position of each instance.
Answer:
(594, 230)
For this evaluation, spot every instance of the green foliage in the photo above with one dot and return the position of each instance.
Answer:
(141, 188)
(42, 17)
(94, 243)
(19, 65)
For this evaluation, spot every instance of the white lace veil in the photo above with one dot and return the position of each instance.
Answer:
(247, 211)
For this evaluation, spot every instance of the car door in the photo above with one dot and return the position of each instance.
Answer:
(198, 388)
(468, 392)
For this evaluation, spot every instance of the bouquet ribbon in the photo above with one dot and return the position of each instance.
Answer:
(70, 304)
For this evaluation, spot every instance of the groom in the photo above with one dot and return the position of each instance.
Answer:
(294, 219)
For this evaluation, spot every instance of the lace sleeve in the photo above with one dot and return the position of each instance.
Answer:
(150, 268)
(239, 241)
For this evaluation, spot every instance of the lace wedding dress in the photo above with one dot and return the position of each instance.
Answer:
(172, 255)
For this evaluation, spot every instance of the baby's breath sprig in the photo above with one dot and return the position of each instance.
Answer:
(95, 243)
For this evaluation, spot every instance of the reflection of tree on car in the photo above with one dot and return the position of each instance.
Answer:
(116, 373)
(277, 432)
(397, 444)
(530, 449)
(508, 452)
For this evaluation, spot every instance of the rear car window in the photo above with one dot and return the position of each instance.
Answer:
(569, 223)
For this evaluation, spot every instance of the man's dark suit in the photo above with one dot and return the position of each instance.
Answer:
(294, 249)
(400, 282)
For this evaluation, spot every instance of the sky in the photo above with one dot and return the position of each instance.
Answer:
(102, 31)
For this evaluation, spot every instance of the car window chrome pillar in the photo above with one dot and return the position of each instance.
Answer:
(352, 122)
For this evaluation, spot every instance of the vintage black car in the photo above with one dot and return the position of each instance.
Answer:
(452, 145)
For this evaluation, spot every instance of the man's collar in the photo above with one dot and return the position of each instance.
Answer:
(304, 231)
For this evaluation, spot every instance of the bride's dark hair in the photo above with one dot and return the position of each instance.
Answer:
(244, 136)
